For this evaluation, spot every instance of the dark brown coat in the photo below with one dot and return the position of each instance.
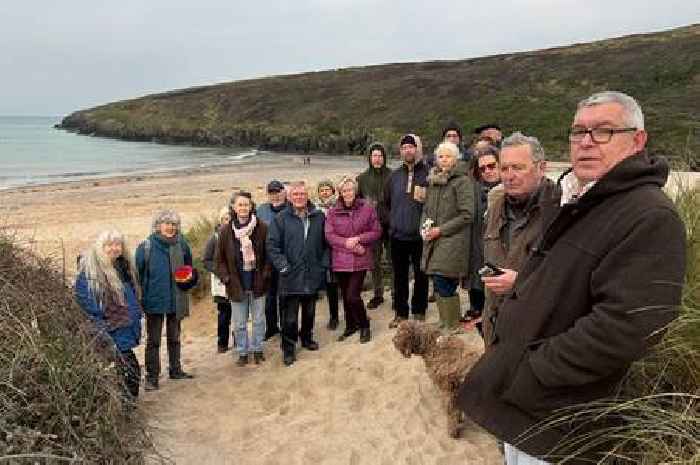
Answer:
(227, 257)
(607, 275)
(512, 255)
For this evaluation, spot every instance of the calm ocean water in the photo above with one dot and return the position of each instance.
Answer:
(33, 152)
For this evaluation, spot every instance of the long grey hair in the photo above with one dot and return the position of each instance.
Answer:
(101, 275)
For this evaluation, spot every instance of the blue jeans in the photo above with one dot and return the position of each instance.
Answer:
(256, 308)
(444, 286)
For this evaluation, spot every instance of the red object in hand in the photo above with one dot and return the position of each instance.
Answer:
(183, 274)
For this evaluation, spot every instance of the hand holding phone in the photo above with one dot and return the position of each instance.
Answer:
(489, 269)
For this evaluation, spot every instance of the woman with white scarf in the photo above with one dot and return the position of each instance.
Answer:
(242, 266)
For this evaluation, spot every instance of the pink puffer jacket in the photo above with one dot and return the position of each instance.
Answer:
(343, 223)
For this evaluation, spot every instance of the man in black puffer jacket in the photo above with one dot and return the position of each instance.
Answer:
(297, 247)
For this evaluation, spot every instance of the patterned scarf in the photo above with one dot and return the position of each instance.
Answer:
(243, 235)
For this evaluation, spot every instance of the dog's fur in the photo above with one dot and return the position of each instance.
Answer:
(447, 359)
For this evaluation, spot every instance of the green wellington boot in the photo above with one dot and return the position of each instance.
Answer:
(452, 310)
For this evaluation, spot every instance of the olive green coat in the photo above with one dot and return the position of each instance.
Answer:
(449, 203)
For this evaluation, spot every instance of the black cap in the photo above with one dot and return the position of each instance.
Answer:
(408, 139)
(483, 127)
(275, 186)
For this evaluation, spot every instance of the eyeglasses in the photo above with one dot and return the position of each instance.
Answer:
(452, 135)
(598, 135)
(488, 166)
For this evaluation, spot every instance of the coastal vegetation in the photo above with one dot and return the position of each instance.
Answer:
(342, 111)
(60, 399)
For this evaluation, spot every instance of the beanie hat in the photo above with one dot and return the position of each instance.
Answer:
(408, 139)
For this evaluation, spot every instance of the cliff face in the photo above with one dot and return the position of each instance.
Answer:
(342, 111)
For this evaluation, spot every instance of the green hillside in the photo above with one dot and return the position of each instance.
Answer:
(342, 111)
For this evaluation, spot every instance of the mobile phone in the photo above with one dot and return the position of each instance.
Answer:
(490, 269)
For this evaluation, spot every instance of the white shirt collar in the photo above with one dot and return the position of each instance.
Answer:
(572, 189)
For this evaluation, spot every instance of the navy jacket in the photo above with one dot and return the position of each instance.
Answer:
(302, 263)
(403, 211)
(157, 282)
(124, 338)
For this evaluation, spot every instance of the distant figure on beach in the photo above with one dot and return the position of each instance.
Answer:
(487, 175)
(516, 214)
(106, 290)
(447, 215)
(327, 199)
(596, 291)
(404, 196)
(352, 228)
(243, 266)
(370, 186)
(162, 256)
(266, 212)
(297, 247)
(218, 290)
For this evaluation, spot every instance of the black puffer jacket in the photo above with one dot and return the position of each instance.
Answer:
(301, 262)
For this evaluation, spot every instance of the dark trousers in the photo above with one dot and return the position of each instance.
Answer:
(130, 372)
(290, 320)
(332, 295)
(403, 254)
(223, 328)
(381, 248)
(444, 286)
(154, 328)
(272, 312)
(477, 298)
(351, 289)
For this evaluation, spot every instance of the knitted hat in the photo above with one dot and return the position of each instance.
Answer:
(408, 139)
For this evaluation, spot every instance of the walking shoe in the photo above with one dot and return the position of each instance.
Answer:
(180, 374)
(365, 335)
(242, 360)
(396, 322)
(258, 357)
(310, 344)
(289, 358)
(151, 384)
(347, 333)
(222, 349)
(375, 302)
(332, 324)
(432, 297)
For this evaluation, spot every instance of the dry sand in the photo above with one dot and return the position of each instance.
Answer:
(345, 404)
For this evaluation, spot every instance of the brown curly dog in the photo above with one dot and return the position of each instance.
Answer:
(447, 359)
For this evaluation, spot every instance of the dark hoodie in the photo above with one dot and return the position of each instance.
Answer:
(370, 183)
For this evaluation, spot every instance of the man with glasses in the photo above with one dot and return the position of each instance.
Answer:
(595, 293)
(514, 219)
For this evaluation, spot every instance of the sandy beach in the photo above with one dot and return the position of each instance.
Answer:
(345, 404)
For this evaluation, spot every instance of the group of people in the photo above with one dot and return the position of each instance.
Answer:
(571, 281)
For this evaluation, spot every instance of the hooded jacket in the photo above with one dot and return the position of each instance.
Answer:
(370, 183)
(606, 276)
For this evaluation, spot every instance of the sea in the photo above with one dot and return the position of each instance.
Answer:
(33, 152)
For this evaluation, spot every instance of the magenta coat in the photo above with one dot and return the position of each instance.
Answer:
(343, 223)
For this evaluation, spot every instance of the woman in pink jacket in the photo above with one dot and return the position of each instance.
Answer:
(352, 228)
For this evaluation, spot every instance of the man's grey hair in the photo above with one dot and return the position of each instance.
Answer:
(518, 138)
(165, 216)
(633, 112)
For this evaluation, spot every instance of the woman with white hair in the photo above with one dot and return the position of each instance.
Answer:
(160, 260)
(106, 290)
(218, 290)
(352, 228)
(448, 210)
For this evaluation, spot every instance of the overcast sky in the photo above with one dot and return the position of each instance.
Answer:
(60, 56)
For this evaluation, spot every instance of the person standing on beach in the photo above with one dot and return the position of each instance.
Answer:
(352, 228)
(447, 214)
(594, 295)
(327, 200)
(242, 265)
(106, 290)
(297, 247)
(218, 290)
(266, 212)
(370, 186)
(404, 194)
(164, 252)
(516, 215)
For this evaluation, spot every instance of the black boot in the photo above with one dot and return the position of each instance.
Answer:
(365, 335)
(332, 324)
(242, 360)
(347, 333)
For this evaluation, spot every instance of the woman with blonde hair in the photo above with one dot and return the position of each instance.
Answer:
(352, 228)
(106, 290)
(218, 290)
(447, 212)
